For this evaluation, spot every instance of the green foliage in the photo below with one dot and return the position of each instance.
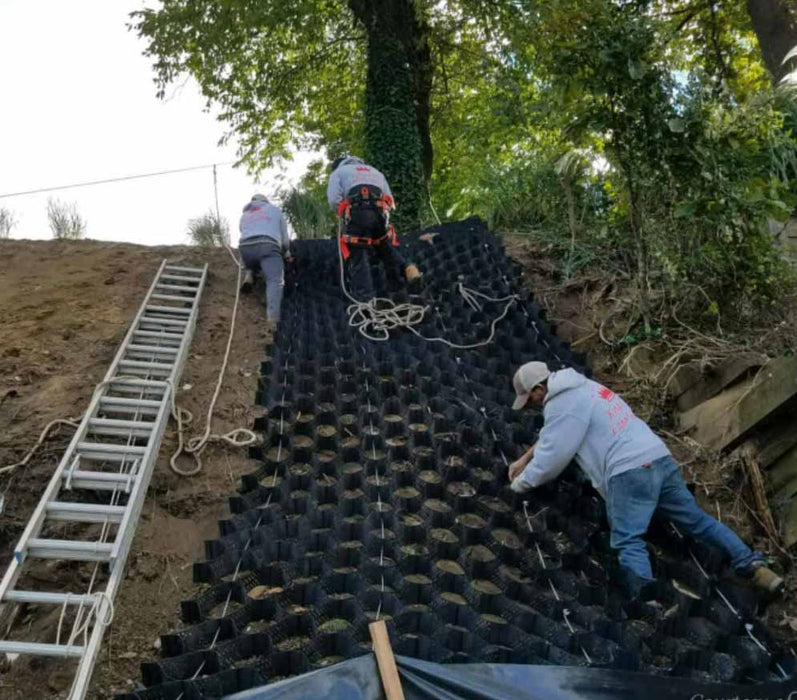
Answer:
(309, 214)
(729, 176)
(209, 231)
(65, 221)
(281, 73)
(7, 222)
(696, 154)
(306, 207)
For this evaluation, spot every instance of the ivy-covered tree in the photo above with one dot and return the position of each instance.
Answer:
(775, 25)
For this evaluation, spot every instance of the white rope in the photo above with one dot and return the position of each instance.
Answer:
(71, 422)
(526, 513)
(374, 319)
(239, 437)
(58, 421)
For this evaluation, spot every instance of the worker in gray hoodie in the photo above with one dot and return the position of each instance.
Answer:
(360, 195)
(265, 245)
(628, 464)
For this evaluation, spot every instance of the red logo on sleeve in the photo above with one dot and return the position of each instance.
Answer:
(606, 394)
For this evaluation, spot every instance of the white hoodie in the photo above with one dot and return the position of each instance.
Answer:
(593, 424)
(352, 172)
(263, 220)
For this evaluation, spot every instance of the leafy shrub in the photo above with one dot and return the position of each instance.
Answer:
(308, 212)
(65, 221)
(7, 222)
(209, 231)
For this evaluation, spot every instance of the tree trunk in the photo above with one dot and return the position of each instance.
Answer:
(397, 103)
(775, 26)
(572, 216)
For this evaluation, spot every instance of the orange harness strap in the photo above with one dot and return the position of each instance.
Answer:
(385, 203)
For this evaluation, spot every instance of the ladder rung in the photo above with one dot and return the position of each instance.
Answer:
(166, 309)
(144, 372)
(140, 364)
(118, 382)
(177, 287)
(124, 428)
(116, 453)
(73, 550)
(154, 349)
(162, 335)
(100, 481)
(179, 278)
(153, 393)
(38, 649)
(84, 512)
(163, 321)
(177, 268)
(145, 407)
(171, 297)
(44, 598)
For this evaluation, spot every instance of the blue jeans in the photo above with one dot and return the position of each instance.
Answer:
(268, 259)
(632, 499)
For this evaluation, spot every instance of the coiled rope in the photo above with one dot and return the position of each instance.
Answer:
(375, 318)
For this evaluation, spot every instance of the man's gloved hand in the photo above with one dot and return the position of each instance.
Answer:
(520, 486)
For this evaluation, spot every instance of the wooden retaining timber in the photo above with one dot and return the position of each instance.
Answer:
(754, 413)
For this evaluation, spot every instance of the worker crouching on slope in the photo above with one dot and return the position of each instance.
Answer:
(628, 464)
(265, 245)
(360, 195)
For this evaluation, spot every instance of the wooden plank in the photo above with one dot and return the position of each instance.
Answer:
(386, 661)
(751, 467)
(715, 379)
(785, 494)
(789, 523)
(724, 419)
(777, 439)
(783, 471)
(685, 377)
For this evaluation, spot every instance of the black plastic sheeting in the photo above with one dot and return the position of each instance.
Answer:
(358, 679)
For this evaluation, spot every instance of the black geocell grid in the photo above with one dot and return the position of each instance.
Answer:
(382, 494)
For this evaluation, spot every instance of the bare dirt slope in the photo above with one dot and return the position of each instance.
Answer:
(64, 309)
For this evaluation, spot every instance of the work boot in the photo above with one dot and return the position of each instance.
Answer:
(248, 283)
(764, 579)
(412, 273)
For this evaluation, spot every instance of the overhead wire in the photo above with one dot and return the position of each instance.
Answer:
(122, 178)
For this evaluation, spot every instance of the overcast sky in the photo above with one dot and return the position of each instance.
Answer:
(78, 104)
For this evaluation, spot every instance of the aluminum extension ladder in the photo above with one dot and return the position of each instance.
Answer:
(102, 478)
